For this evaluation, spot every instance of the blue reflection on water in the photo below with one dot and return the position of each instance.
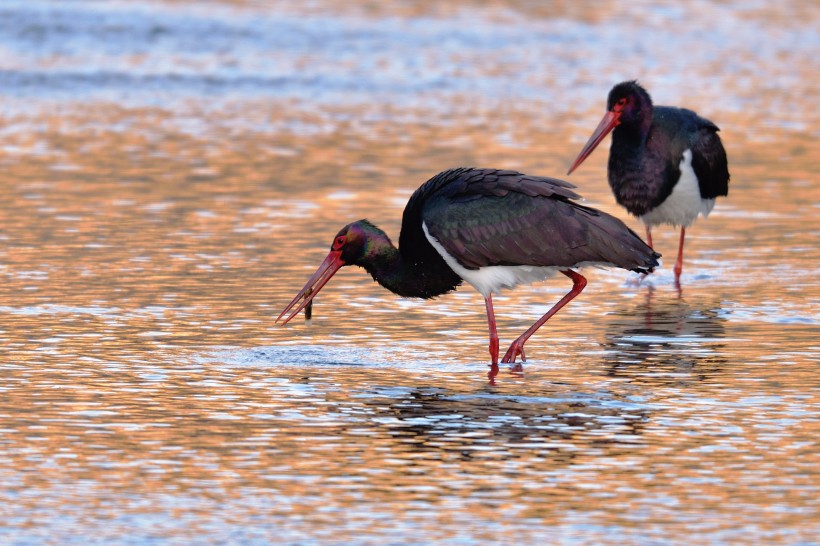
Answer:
(150, 54)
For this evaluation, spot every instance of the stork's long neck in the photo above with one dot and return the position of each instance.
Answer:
(627, 178)
(411, 274)
(630, 138)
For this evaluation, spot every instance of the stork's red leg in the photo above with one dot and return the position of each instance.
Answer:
(648, 242)
(517, 347)
(679, 262)
(488, 301)
(492, 373)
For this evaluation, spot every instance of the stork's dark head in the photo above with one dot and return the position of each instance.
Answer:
(628, 104)
(355, 244)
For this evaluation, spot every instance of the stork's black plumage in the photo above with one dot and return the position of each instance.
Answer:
(494, 229)
(667, 165)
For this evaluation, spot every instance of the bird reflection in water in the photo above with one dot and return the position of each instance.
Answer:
(660, 338)
(516, 369)
(489, 425)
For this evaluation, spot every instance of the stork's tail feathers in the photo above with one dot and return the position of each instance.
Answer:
(619, 245)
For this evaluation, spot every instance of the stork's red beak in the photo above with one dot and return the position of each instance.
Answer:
(329, 267)
(610, 121)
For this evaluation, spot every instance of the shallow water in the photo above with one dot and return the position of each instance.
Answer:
(173, 173)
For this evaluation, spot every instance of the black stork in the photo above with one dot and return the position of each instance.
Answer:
(492, 228)
(667, 165)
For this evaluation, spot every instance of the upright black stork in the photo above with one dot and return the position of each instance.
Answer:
(494, 229)
(666, 165)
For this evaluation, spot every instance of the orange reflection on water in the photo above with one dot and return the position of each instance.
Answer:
(147, 251)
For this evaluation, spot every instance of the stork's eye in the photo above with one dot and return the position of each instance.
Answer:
(339, 242)
(620, 104)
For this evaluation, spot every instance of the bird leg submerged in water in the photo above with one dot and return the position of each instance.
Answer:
(678, 269)
(679, 262)
(517, 346)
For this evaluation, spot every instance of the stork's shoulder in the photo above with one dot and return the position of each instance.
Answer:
(676, 121)
(466, 184)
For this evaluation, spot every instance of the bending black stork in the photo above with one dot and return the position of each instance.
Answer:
(666, 165)
(494, 229)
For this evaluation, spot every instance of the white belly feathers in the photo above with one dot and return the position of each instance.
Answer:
(684, 204)
(491, 279)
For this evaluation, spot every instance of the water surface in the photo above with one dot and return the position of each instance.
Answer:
(173, 173)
